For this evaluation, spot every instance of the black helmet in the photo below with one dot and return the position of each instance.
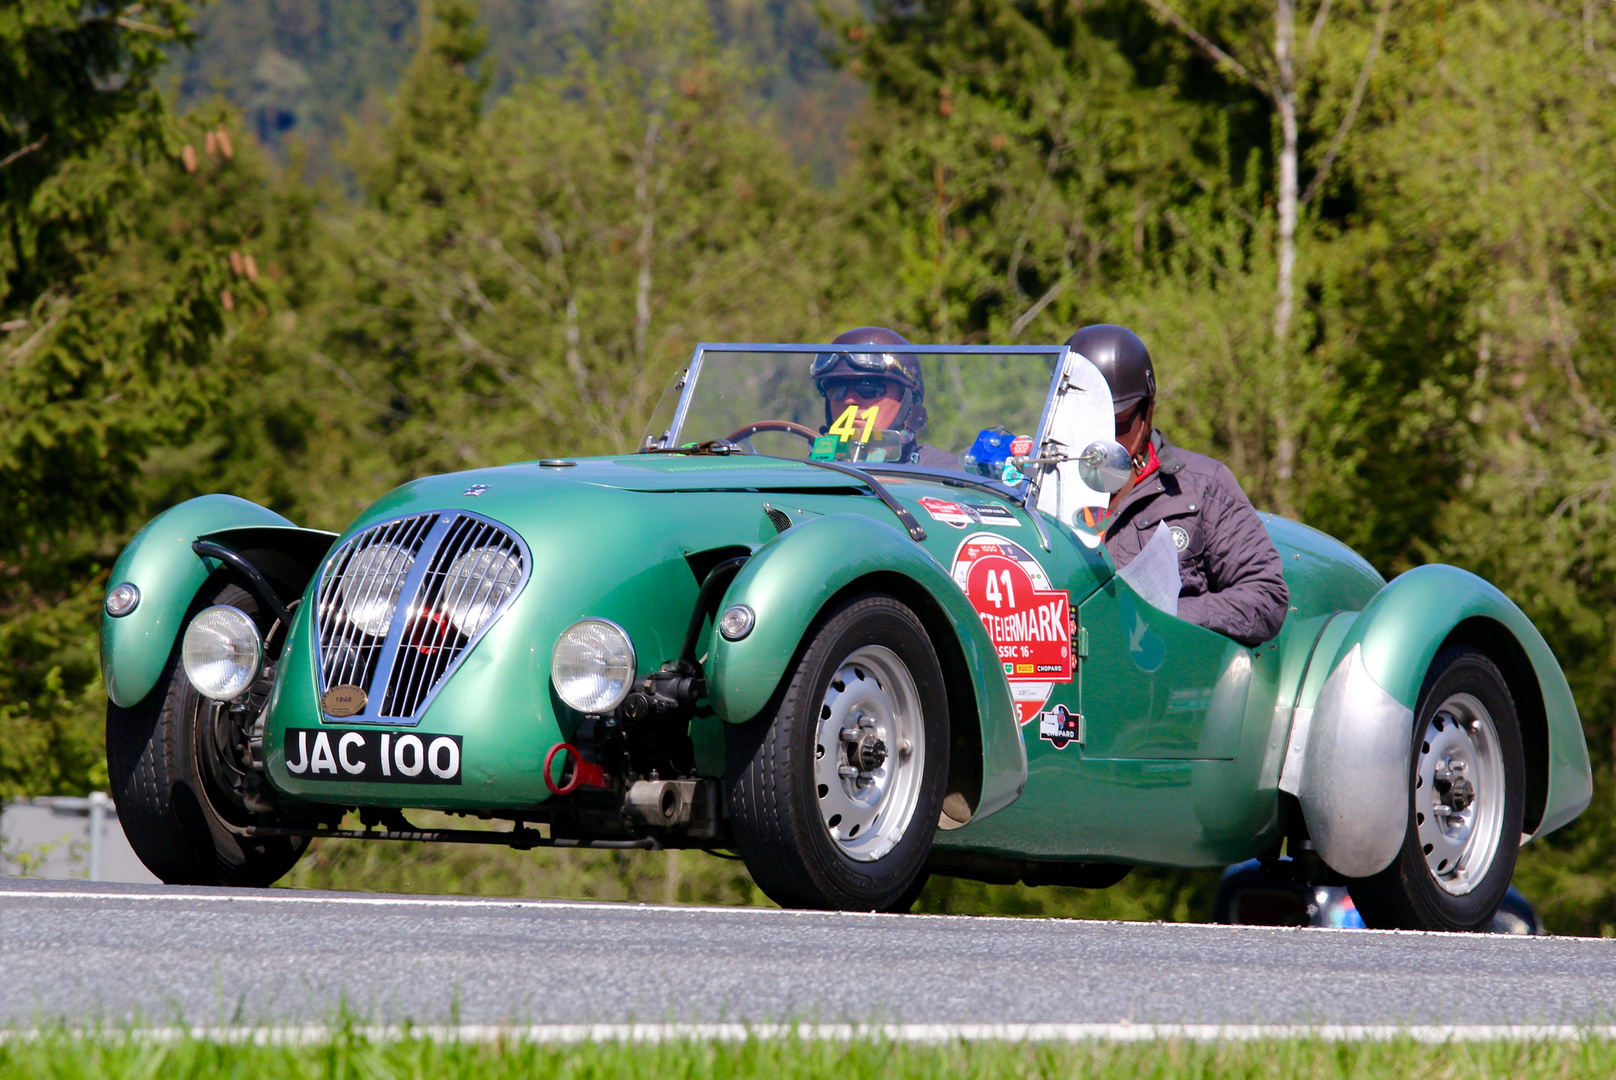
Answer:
(1122, 358)
(901, 367)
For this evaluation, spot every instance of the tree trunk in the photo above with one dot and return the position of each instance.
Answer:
(940, 292)
(644, 203)
(1285, 103)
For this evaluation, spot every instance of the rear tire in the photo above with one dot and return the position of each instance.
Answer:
(819, 822)
(1467, 787)
(169, 769)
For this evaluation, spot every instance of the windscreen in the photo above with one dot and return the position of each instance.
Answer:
(959, 411)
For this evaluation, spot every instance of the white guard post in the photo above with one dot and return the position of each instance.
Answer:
(1082, 414)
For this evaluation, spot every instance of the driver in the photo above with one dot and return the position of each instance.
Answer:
(1229, 567)
(889, 382)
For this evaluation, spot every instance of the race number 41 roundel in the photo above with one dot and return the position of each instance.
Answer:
(1029, 622)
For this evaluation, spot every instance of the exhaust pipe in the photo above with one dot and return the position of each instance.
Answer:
(662, 802)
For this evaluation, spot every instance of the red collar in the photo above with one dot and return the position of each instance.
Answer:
(1152, 463)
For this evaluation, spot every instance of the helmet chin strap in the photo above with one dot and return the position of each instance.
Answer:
(1142, 458)
(905, 407)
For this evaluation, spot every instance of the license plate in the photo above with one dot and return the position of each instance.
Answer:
(372, 757)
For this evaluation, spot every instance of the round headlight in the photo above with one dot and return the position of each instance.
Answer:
(370, 586)
(477, 584)
(593, 666)
(121, 599)
(222, 652)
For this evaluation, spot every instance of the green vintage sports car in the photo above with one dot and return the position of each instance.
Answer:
(855, 656)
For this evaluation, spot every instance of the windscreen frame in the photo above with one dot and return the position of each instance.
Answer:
(1021, 491)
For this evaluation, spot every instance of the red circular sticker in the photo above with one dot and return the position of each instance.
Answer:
(1028, 622)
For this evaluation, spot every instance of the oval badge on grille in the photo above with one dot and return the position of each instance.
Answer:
(343, 700)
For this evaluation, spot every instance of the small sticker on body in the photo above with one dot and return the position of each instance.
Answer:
(993, 514)
(960, 515)
(1060, 727)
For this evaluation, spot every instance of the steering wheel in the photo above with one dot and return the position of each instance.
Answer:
(800, 430)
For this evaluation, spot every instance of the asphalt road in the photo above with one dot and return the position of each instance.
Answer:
(151, 955)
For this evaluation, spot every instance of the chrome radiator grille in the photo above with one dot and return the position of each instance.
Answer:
(399, 605)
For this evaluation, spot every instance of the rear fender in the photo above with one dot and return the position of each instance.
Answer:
(791, 581)
(1348, 761)
(160, 563)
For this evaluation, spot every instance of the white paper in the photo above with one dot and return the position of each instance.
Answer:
(1153, 574)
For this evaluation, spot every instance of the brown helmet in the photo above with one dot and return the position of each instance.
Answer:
(1122, 358)
(901, 367)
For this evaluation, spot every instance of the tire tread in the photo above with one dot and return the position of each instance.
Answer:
(1402, 896)
(155, 788)
(771, 828)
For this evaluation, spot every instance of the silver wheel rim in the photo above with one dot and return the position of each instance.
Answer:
(871, 711)
(1459, 794)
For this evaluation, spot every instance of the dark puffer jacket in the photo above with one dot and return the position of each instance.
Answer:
(1231, 571)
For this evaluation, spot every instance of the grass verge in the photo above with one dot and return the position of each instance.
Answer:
(347, 1055)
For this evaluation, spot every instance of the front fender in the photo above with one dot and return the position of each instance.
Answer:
(790, 581)
(160, 563)
(1355, 735)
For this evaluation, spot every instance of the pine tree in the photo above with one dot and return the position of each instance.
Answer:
(123, 264)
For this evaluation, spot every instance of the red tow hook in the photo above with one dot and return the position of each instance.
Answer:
(575, 771)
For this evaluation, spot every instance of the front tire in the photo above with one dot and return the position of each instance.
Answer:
(1467, 800)
(171, 764)
(834, 798)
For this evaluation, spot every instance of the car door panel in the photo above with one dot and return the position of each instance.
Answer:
(1156, 687)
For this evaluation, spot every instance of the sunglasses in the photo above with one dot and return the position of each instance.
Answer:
(1128, 416)
(868, 387)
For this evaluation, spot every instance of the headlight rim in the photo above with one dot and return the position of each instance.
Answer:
(627, 684)
(254, 637)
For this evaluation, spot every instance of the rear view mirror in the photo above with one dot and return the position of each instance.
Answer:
(1105, 466)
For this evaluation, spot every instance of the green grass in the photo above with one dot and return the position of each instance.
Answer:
(349, 1057)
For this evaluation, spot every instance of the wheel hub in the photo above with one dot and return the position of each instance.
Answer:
(867, 753)
(1459, 793)
(1452, 790)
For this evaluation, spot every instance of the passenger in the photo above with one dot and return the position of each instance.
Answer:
(887, 381)
(1231, 572)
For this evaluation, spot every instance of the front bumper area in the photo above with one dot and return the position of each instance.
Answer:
(492, 710)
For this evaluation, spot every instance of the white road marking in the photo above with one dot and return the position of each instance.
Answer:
(319, 1034)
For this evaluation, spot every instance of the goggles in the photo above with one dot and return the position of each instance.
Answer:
(868, 387)
(872, 362)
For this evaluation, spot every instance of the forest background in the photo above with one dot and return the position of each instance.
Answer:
(303, 250)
